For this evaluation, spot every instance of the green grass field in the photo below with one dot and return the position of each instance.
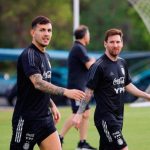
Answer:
(136, 129)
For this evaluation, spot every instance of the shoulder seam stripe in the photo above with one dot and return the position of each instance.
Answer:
(95, 68)
(31, 57)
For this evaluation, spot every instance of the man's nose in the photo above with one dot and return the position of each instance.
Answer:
(47, 32)
(115, 44)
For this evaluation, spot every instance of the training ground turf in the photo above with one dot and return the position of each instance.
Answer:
(136, 129)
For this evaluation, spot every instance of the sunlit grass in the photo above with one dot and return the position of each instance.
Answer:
(136, 129)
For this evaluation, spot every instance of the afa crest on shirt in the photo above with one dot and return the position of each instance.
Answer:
(49, 64)
(26, 146)
(122, 70)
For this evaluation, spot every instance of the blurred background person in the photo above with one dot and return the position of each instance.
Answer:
(78, 65)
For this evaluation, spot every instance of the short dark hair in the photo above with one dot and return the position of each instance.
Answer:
(80, 32)
(40, 20)
(112, 32)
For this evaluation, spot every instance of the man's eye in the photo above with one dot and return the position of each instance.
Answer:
(50, 30)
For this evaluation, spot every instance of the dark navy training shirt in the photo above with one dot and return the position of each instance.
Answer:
(32, 103)
(108, 80)
(77, 71)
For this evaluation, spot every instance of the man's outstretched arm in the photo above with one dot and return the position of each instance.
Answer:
(84, 102)
(47, 87)
(78, 117)
(131, 88)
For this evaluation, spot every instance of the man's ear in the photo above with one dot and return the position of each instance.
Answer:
(105, 44)
(32, 32)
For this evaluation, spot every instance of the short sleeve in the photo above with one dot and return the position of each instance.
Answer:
(83, 55)
(30, 63)
(128, 77)
(95, 76)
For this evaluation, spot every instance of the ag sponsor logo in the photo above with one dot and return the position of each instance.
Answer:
(29, 137)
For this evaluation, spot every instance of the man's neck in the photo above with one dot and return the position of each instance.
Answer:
(42, 49)
(81, 41)
(113, 58)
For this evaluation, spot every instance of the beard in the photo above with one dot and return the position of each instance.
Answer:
(114, 52)
(42, 42)
(43, 45)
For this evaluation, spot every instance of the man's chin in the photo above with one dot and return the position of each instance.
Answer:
(116, 54)
(44, 45)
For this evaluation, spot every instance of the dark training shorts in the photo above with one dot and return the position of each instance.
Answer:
(75, 106)
(111, 137)
(27, 133)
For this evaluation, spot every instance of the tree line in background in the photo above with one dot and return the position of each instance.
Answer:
(98, 15)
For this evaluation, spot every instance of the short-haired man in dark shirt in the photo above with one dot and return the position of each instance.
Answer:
(108, 80)
(33, 121)
(78, 65)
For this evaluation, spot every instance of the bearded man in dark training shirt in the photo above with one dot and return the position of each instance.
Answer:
(108, 80)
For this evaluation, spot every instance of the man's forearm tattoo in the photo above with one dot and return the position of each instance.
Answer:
(45, 86)
(83, 104)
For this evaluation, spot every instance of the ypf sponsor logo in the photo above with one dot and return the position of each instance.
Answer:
(119, 82)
